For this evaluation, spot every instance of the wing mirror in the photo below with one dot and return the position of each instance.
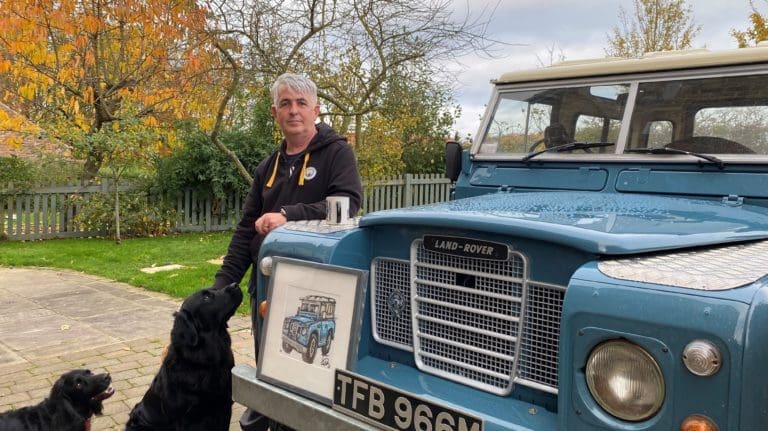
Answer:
(452, 160)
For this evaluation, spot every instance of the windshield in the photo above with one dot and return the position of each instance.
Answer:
(529, 121)
(715, 115)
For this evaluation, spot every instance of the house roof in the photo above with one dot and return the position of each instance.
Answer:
(25, 145)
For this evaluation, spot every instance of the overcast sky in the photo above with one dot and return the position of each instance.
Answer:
(577, 29)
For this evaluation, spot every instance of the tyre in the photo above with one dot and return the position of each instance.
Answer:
(287, 347)
(327, 347)
(309, 354)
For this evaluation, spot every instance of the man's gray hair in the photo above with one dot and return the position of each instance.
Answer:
(298, 83)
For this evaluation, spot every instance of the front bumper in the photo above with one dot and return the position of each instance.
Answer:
(300, 413)
(286, 407)
(294, 344)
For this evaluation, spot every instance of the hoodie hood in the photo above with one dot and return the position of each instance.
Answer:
(603, 223)
(324, 137)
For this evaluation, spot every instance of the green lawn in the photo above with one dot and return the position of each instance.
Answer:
(124, 262)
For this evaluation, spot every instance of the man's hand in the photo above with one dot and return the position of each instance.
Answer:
(269, 221)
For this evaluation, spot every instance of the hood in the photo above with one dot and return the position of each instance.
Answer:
(304, 317)
(601, 223)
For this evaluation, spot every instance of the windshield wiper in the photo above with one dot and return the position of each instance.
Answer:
(669, 150)
(571, 146)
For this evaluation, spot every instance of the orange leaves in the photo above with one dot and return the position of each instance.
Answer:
(89, 58)
(91, 24)
(756, 33)
(145, 52)
(88, 95)
(12, 122)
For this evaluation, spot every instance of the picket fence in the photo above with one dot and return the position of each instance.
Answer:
(50, 212)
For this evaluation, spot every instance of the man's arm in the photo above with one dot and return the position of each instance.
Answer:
(240, 251)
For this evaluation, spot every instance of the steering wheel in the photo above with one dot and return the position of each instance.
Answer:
(533, 146)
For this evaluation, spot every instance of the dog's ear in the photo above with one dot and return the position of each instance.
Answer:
(184, 331)
(58, 389)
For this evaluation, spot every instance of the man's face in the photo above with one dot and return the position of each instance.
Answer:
(295, 113)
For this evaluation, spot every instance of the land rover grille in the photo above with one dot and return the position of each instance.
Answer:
(476, 321)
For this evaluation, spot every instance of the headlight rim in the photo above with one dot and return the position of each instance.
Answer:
(600, 400)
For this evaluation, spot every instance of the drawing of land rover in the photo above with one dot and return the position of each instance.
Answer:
(311, 327)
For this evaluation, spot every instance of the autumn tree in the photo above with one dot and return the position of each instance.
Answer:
(656, 25)
(757, 32)
(74, 67)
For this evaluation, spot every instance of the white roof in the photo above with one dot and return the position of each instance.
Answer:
(656, 61)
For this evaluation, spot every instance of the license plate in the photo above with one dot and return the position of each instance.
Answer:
(392, 409)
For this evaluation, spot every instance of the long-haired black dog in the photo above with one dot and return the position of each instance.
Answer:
(75, 397)
(193, 389)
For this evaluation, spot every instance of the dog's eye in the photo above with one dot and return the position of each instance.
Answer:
(79, 385)
(207, 296)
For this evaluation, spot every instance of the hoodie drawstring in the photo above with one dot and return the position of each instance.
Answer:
(274, 171)
(301, 174)
(303, 169)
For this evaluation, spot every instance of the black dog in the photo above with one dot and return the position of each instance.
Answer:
(193, 389)
(74, 398)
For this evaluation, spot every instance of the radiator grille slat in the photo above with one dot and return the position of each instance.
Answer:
(490, 289)
(462, 317)
(541, 335)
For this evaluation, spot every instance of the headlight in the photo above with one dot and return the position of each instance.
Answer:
(303, 330)
(625, 380)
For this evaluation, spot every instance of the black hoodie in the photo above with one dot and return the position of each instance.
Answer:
(326, 168)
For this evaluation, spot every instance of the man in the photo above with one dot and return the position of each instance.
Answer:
(312, 162)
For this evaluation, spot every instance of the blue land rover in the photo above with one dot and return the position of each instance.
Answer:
(311, 327)
(602, 265)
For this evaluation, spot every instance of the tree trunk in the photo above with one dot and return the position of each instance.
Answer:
(244, 174)
(92, 165)
(117, 212)
(359, 130)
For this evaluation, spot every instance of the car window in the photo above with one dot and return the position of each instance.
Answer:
(596, 129)
(719, 115)
(745, 124)
(518, 124)
(526, 121)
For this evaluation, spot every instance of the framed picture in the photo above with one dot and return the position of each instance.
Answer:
(314, 310)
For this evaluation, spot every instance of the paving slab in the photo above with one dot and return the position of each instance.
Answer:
(54, 320)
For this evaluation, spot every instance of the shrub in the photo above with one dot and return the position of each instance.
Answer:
(17, 171)
(201, 166)
(138, 216)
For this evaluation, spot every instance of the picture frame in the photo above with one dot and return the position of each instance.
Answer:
(311, 326)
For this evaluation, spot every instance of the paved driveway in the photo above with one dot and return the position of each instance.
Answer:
(52, 321)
